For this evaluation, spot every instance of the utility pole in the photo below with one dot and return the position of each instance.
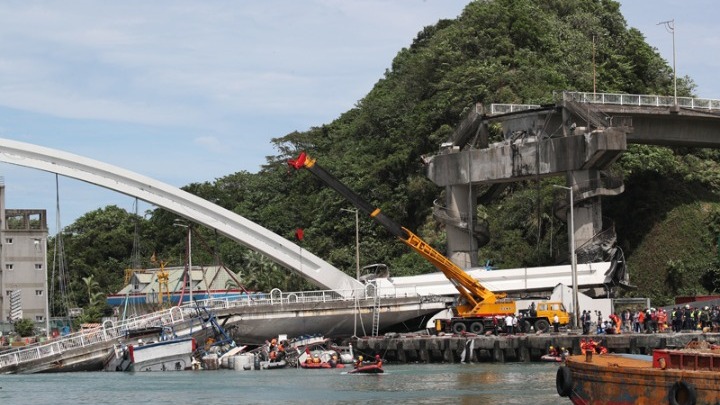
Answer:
(188, 260)
(670, 27)
(573, 258)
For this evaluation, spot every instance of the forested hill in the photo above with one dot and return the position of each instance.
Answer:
(496, 51)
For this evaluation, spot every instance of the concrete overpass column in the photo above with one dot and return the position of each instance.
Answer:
(461, 244)
(588, 208)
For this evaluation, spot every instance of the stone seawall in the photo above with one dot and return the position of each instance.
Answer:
(518, 348)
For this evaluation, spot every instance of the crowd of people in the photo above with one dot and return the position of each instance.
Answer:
(651, 320)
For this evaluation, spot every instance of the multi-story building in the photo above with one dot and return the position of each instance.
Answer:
(23, 264)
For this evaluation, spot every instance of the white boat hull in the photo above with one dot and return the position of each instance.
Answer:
(170, 355)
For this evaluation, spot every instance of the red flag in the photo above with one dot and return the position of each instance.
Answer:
(299, 234)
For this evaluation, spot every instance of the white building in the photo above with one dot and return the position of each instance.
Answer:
(23, 264)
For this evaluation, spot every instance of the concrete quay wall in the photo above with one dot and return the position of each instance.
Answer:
(510, 348)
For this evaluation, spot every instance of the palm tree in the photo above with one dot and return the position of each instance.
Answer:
(92, 286)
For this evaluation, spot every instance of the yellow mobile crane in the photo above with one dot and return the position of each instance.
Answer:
(478, 307)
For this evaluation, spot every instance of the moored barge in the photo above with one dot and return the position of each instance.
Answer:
(678, 377)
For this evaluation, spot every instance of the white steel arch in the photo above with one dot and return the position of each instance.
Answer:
(184, 204)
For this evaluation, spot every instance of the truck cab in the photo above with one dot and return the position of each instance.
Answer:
(550, 309)
(541, 314)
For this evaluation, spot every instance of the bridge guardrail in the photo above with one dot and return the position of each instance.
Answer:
(631, 100)
(496, 109)
(641, 100)
(277, 297)
(89, 337)
(177, 315)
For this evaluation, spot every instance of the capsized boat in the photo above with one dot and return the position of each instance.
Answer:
(162, 352)
(169, 352)
(683, 376)
(169, 355)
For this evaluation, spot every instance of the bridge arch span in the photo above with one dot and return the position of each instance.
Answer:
(184, 204)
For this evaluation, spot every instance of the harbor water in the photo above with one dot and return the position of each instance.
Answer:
(480, 383)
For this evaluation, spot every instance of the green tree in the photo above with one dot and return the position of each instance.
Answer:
(24, 327)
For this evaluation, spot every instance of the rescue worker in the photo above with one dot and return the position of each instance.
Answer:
(378, 360)
(552, 351)
(281, 352)
(583, 322)
(359, 362)
(704, 318)
(617, 323)
(662, 320)
(556, 323)
(273, 343)
(509, 325)
(692, 323)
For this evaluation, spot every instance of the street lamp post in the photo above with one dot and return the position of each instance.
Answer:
(188, 262)
(573, 259)
(357, 240)
(670, 27)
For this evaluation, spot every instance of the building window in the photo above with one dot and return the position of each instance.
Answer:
(39, 318)
(8, 241)
(8, 266)
(39, 293)
(38, 266)
(36, 242)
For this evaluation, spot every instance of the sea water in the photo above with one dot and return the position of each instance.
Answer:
(483, 383)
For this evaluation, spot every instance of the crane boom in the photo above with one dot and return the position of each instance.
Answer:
(478, 299)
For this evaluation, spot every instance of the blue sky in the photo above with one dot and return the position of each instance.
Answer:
(189, 91)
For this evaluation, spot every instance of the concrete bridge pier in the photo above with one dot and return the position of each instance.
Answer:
(587, 206)
(460, 207)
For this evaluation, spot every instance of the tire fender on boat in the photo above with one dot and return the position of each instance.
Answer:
(563, 381)
(682, 393)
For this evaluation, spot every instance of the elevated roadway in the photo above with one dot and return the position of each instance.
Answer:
(579, 137)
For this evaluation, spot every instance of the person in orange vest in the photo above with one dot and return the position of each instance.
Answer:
(378, 360)
(641, 320)
(662, 320)
(281, 352)
(616, 321)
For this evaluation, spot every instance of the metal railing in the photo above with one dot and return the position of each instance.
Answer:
(109, 331)
(508, 108)
(630, 100)
(186, 315)
(277, 297)
(641, 100)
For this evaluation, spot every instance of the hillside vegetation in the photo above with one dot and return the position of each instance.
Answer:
(497, 51)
